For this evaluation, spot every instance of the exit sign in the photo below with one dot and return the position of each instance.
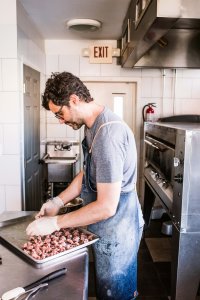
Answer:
(100, 54)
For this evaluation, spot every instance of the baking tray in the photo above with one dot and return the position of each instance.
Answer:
(14, 236)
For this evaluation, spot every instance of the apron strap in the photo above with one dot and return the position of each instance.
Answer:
(105, 124)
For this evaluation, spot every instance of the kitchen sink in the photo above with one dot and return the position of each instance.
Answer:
(61, 159)
(61, 152)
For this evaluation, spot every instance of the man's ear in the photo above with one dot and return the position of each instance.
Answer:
(74, 99)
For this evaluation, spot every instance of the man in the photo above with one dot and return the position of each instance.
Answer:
(107, 184)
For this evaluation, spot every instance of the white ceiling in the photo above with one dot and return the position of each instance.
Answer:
(50, 17)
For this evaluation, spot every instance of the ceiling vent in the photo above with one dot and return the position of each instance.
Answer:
(83, 25)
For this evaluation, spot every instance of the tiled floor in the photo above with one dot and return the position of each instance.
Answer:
(153, 277)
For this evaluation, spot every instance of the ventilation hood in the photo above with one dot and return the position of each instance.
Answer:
(161, 33)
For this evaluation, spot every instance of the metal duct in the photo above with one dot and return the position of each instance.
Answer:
(160, 33)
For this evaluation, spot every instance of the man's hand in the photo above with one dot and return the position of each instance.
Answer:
(43, 226)
(50, 208)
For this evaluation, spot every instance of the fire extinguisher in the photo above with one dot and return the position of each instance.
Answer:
(148, 115)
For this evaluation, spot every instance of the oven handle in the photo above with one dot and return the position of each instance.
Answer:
(156, 143)
(152, 145)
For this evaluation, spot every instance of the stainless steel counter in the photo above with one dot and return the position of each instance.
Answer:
(17, 272)
(10, 217)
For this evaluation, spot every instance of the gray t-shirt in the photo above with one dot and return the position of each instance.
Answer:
(113, 156)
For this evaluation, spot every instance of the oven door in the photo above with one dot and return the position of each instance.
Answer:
(160, 156)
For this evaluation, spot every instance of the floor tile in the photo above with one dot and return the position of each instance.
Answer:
(159, 248)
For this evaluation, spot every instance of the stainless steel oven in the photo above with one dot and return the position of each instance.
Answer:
(159, 161)
(172, 175)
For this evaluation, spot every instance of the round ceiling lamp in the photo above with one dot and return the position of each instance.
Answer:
(83, 24)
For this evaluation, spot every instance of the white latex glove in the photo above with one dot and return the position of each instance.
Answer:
(43, 226)
(50, 208)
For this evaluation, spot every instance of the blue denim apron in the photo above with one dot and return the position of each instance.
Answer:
(115, 254)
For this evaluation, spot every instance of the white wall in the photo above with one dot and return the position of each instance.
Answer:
(10, 188)
(20, 43)
(31, 52)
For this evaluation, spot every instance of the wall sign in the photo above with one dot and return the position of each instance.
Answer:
(100, 54)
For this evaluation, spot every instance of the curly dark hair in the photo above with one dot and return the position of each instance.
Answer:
(59, 88)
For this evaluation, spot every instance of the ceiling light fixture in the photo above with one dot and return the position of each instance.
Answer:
(83, 24)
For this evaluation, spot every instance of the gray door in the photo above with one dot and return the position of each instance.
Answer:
(32, 139)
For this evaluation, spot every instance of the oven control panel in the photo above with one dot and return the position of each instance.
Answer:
(159, 179)
(161, 186)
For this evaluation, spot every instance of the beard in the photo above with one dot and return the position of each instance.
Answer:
(74, 125)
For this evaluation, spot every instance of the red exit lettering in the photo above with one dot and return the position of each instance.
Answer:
(101, 52)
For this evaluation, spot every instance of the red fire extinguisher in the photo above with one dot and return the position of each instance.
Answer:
(149, 114)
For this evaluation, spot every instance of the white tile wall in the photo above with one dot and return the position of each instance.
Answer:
(128, 72)
(8, 38)
(42, 82)
(10, 109)
(89, 70)
(43, 130)
(151, 73)
(191, 73)
(179, 73)
(72, 47)
(10, 169)
(8, 12)
(51, 64)
(2, 199)
(1, 75)
(196, 88)
(168, 107)
(11, 137)
(1, 139)
(72, 134)
(10, 83)
(42, 149)
(13, 198)
(156, 87)
(20, 45)
(43, 114)
(187, 106)
(30, 53)
(146, 88)
(168, 87)
(69, 63)
(184, 88)
(55, 131)
(110, 69)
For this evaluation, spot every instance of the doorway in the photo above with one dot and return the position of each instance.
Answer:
(32, 183)
(120, 97)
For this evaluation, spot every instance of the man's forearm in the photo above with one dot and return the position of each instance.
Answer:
(73, 190)
(86, 215)
(102, 208)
